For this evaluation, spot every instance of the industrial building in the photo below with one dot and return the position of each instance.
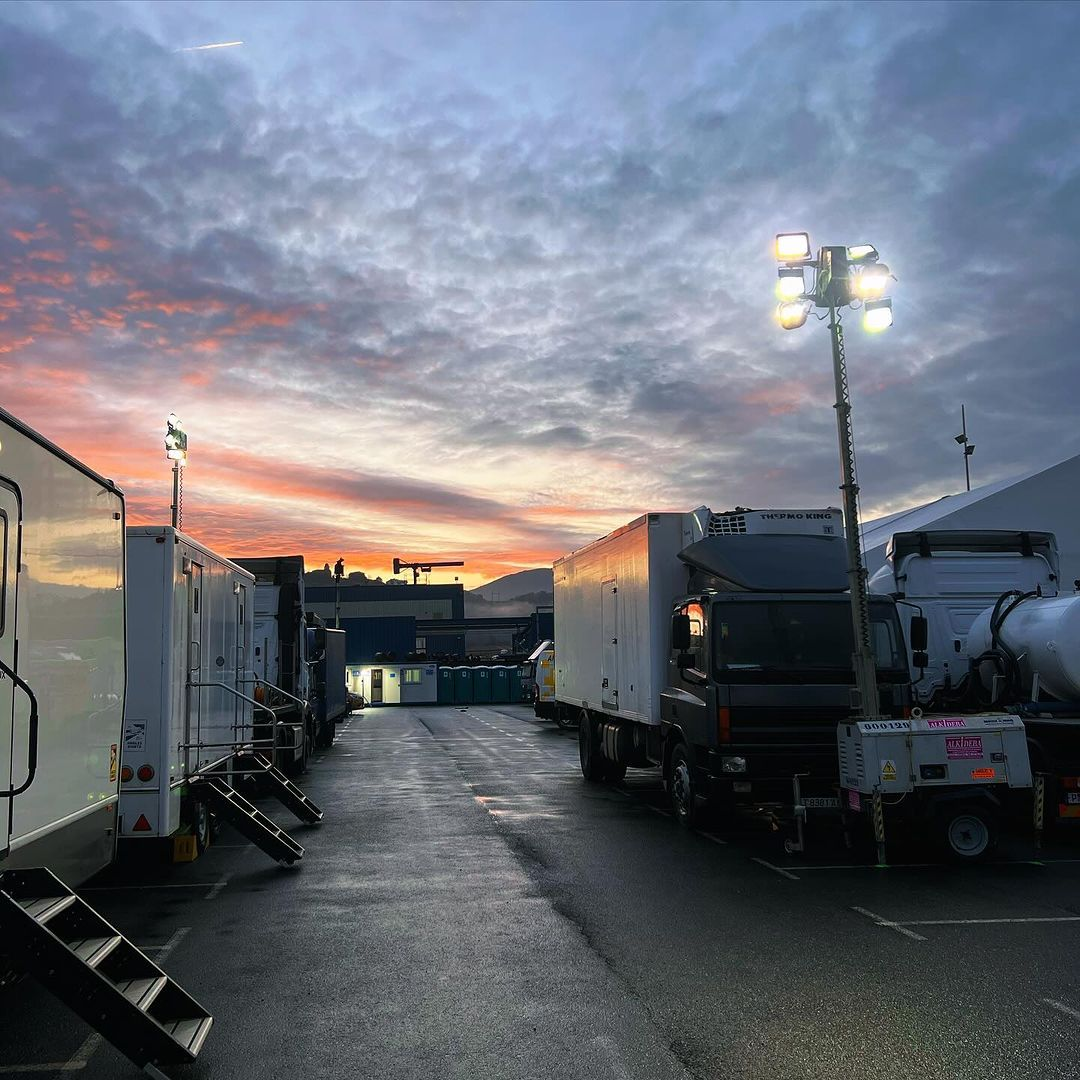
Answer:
(1036, 500)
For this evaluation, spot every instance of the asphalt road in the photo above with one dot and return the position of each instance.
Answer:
(472, 908)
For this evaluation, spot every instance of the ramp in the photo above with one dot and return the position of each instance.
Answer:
(274, 782)
(54, 935)
(248, 820)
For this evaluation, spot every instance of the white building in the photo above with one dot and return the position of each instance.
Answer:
(1045, 499)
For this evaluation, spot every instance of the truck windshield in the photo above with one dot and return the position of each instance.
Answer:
(799, 635)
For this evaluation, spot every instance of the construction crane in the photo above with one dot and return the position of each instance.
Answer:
(419, 568)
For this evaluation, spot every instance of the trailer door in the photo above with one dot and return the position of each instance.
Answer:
(9, 568)
(609, 657)
(196, 694)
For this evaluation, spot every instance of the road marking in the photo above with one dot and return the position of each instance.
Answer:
(215, 889)
(714, 839)
(879, 921)
(127, 888)
(776, 869)
(1062, 1008)
(988, 922)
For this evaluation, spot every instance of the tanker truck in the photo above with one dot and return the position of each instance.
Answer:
(718, 647)
(1000, 635)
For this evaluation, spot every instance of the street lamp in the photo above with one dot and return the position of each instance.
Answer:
(176, 452)
(843, 277)
(969, 447)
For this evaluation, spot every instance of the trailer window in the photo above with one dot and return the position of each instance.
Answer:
(412, 675)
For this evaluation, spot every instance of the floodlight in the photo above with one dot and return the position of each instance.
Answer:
(792, 283)
(864, 253)
(792, 247)
(969, 449)
(176, 455)
(792, 313)
(869, 281)
(877, 315)
(961, 439)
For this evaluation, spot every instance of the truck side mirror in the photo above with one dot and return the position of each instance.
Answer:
(919, 633)
(920, 659)
(680, 632)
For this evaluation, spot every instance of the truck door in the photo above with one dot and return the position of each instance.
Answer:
(193, 722)
(609, 657)
(9, 567)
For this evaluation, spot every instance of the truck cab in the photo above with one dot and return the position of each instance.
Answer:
(757, 682)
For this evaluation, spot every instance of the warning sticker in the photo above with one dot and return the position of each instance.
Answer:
(135, 735)
(112, 764)
(888, 769)
(958, 747)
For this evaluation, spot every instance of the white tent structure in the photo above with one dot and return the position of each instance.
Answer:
(1046, 499)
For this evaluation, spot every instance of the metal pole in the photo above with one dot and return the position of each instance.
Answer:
(176, 495)
(967, 456)
(863, 657)
(337, 604)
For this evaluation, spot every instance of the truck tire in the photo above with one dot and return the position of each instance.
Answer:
(681, 787)
(968, 831)
(565, 718)
(592, 761)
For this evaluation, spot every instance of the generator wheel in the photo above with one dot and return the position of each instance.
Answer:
(969, 832)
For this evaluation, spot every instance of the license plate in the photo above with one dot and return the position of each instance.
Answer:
(822, 802)
(1072, 798)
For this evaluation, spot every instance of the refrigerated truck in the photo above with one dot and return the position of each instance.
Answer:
(189, 710)
(717, 647)
(61, 655)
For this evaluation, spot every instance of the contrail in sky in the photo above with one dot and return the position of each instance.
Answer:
(217, 45)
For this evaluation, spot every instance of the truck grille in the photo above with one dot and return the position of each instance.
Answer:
(726, 524)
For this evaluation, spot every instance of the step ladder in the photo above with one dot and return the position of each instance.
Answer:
(57, 937)
(272, 781)
(249, 821)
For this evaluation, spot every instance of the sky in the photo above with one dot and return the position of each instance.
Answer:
(483, 281)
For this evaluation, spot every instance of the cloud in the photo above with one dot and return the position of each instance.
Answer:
(475, 266)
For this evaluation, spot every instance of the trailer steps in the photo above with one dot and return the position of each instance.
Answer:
(274, 782)
(57, 937)
(249, 821)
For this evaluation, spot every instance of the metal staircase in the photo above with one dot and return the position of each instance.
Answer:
(272, 781)
(248, 820)
(54, 935)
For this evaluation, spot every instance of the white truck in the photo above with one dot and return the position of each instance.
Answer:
(61, 656)
(62, 690)
(717, 647)
(189, 707)
(1001, 635)
(538, 680)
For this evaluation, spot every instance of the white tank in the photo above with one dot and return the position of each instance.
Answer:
(1044, 633)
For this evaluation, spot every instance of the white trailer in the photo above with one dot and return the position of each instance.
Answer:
(61, 646)
(189, 706)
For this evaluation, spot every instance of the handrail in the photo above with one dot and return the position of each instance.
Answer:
(277, 689)
(236, 693)
(32, 749)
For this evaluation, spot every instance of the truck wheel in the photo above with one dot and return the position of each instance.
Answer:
(681, 787)
(201, 825)
(564, 718)
(969, 831)
(592, 762)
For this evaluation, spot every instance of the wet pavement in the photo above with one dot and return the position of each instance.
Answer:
(470, 907)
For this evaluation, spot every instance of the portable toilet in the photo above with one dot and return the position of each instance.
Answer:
(500, 684)
(463, 685)
(517, 691)
(482, 685)
(446, 686)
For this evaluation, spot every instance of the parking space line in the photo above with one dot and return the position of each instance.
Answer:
(714, 839)
(215, 889)
(879, 921)
(988, 922)
(1062, 1008)
(775, 869)
(128, 888)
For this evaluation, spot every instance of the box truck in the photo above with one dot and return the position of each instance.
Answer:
(280, 658)
(62, 690)
(189, 707)
(331, 691)
(717, 647)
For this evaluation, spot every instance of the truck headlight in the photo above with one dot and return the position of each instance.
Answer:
(733, 764)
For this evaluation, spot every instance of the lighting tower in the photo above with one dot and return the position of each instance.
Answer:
(176, 452)
(843, 277)
(969, 447)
